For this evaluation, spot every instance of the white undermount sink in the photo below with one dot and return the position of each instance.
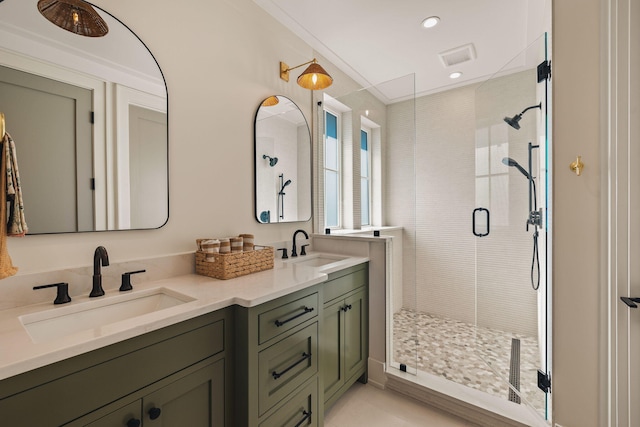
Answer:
(317, 260)
(62, 321)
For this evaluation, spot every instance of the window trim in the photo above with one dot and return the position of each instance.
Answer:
(339, 171)
(368, 131)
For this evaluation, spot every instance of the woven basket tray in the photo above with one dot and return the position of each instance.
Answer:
(235, 264)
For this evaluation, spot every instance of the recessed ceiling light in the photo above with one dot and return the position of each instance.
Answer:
(430, 22)
(455, 75)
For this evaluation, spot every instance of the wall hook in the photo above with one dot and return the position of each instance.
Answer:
(577, 166)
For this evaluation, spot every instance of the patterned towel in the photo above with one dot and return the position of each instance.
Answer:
(16, 222)
(6, 266)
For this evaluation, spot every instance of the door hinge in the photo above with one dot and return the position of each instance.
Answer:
(544, 381)
(92, 183)
(92, 118)
(544, 71)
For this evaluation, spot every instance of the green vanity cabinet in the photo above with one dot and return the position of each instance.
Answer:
(194, 397)
(344, 341)
(187, 365)
(277, 361)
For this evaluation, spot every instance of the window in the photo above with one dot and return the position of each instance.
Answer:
(365, 178)
(331, 171)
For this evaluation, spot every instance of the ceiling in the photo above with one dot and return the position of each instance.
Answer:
(24, 29)
(375, 41)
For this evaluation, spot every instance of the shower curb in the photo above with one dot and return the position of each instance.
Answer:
(405, 384)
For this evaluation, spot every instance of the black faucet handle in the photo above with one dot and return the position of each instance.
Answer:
(302, 250)
(284, 253)
(63, 292)
(126, 280)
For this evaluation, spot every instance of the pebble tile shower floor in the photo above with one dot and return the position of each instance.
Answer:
(469, 355)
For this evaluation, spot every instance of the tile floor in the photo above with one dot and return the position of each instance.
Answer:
(367, 406)
(473, 356)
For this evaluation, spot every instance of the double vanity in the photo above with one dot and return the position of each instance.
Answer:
(269, 349)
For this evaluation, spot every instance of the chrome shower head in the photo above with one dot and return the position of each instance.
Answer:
(272, 160)
(514, 121)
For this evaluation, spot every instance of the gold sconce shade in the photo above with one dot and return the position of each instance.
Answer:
(75, 16)
(314, 77)
(270, 101)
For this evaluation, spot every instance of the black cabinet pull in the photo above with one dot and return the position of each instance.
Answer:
(306, 310)
(631, 302)
(346, 308)
(154, 413)
(133, 422)
(277, 375)
(307, 416)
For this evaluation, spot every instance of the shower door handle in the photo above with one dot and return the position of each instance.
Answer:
(631, 302)
(476, 211)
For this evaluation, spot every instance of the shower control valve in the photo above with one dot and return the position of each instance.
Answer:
(535, 218)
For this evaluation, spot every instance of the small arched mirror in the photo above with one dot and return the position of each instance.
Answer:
(282, 162)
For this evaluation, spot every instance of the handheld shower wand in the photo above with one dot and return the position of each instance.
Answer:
(284, 185)
(281, 193)
(512, 163)
(535, 216)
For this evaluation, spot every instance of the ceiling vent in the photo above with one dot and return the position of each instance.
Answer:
(458, 55)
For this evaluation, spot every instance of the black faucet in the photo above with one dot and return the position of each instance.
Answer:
(294, 252)
(100, 257)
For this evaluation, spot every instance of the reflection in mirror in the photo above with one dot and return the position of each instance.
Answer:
(282, 162)
(89, 119)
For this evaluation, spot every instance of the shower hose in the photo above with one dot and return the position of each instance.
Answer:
(535, 263)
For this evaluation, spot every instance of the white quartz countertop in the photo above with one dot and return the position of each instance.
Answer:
(19, 353)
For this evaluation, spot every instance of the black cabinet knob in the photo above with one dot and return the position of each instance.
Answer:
(154, 413)
(133, 422)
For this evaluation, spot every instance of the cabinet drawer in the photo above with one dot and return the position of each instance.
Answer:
(338, 287)
(300, 410)
(286, 365)
(279, 320)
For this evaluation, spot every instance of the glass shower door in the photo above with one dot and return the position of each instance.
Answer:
(510, 225)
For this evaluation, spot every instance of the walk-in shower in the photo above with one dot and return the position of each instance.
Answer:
(472, 319)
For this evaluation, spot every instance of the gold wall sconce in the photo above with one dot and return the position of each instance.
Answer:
(76, 16)
(314, 77)
(577, 166)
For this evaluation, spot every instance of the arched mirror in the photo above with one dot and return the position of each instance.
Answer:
(89, 119)
(282, 162)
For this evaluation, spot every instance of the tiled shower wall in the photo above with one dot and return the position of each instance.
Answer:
(431, 192)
